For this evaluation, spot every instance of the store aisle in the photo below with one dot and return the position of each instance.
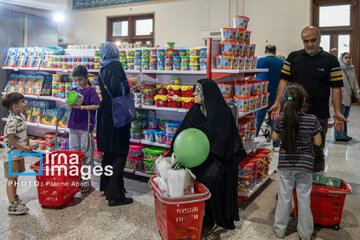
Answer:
(89, 217)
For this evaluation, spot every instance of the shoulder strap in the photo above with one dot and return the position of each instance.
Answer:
(105, 86)
(347, 77)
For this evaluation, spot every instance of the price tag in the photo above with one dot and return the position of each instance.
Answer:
(65, 70)
(16, 69)
(182, 110)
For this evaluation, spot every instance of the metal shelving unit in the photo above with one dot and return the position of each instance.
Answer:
(43, 126)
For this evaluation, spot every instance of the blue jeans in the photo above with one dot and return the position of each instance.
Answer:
(345, 110)
(260, 116)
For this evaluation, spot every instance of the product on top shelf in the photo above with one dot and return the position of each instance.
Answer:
(241, 22)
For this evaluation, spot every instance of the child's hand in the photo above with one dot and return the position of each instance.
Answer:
(27, 149)
(69, 108)
(76, 106)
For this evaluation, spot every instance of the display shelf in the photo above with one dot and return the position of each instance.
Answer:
(49, 98)
(137, 173)
(170, 72)
(142, 141)
(243, 114)
(43, 126)
(258, 185)
(235, 71)
(132, 71)
(21, 68)
(153, 107)
(143, 174)
(220, 73)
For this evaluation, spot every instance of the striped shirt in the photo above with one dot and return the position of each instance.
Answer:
(317, 74)
(302, 159)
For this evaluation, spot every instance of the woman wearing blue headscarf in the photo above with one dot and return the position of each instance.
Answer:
(114, 142)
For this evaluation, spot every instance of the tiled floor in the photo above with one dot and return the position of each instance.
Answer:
(89, 217)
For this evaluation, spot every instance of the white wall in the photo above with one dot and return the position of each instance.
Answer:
(55, 5)
(277, 21)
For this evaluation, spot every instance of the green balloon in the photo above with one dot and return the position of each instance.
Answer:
(191, 147)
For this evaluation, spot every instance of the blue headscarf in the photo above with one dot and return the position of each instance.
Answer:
(109, 53)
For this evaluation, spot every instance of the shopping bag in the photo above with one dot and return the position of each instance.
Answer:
(180, 183)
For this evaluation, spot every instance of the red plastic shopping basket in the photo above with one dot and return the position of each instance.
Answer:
(326, 204)
(180, 218)
(58, 185)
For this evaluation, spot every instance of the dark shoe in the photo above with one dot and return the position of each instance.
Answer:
(350, 138)
(343, 140)
(126, 201)
(85, 187)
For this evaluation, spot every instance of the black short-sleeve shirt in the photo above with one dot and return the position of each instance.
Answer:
(317, 74)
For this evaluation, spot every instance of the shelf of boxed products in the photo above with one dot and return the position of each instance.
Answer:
(97, 70)
(143, 141)
(247, 195)
(49, 98)
(153, 107)
(43, 126)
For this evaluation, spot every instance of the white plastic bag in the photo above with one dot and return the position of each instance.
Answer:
(162, 185)
(180, 183)
(162, 165)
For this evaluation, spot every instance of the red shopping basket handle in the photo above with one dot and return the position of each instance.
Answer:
(176, 202)
(180, 200)
(346, 190)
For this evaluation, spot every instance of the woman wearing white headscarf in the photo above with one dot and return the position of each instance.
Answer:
(350, 88)
(114, 142)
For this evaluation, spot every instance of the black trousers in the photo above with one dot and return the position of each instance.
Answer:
(113, 185)
(319, 162)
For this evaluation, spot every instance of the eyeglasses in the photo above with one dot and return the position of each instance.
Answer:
(313, 40)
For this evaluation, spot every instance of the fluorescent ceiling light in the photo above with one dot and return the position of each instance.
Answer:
(59, 17)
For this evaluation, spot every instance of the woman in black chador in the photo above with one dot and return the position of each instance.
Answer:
(211, 115)
(113, 141)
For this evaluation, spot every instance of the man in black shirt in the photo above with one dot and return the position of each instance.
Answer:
(318, 72)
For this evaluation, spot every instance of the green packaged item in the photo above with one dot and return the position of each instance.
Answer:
(152, 153)
(149, 166)
(330, 182)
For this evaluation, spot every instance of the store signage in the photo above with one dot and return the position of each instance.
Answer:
(80, 4)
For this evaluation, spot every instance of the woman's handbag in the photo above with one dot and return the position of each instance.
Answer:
(123, 106)
(353, 97)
